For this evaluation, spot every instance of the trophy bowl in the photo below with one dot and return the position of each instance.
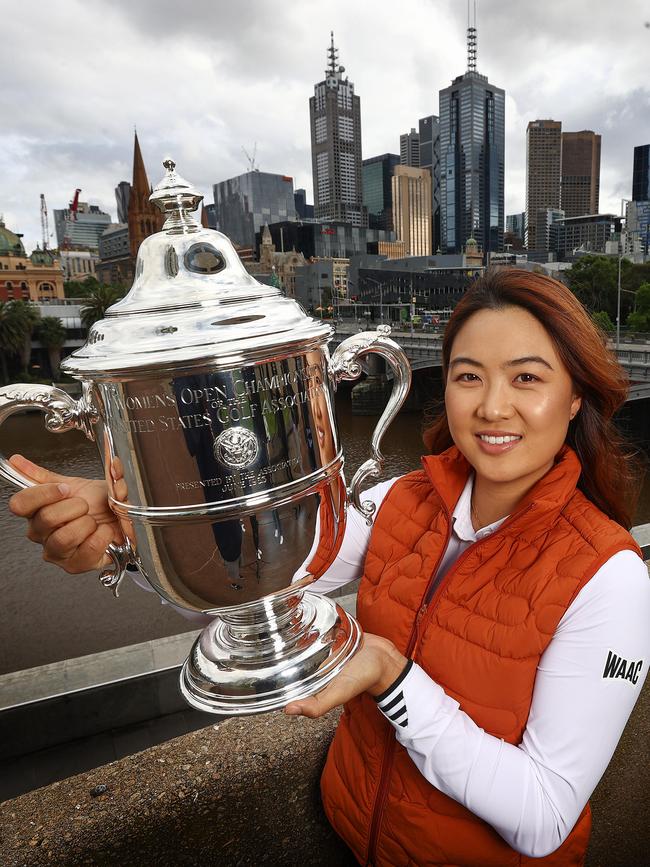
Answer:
(210, 398)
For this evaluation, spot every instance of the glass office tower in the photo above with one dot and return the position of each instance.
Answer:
(472, 146)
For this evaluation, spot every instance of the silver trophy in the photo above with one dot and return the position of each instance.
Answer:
(210, 397)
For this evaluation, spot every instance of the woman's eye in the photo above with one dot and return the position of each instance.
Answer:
(527, 377)
(467, 377)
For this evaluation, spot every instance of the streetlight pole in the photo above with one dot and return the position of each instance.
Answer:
(618, 299)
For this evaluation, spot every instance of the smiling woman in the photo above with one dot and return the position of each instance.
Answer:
(504, 603)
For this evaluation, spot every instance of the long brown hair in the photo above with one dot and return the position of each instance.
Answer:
(611, 473)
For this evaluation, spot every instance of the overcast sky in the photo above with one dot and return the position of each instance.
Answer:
(201, 79)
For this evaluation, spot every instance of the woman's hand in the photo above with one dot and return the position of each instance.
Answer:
(69, 516)
(373, 668)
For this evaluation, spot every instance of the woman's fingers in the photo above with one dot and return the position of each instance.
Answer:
(35, 472)
(80, 546)
(27, 502)
(50, 518)
(339, 691)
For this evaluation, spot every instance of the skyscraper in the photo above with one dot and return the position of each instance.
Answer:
(122, 195)
(81, 230)
(378, 190)
(543, 176)
(412, 209)
(243, 204)
(430, 159)
(409, 148)
(641, 174)
(472, 145)
(580, 173)
(335, 116)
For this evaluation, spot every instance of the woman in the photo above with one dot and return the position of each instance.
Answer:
(504, 603)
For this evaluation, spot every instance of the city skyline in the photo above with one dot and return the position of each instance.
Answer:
(201, 84)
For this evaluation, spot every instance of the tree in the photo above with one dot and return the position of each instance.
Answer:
(52, 334)
(639, 320)
(31, 316)
(602, 320)
(81, 288)
(593, 279)
(13, 329)
(99, 300)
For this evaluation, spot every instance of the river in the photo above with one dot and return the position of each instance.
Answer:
(48, 615)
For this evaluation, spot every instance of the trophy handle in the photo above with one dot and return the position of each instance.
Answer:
(345, 364)
(62, 413)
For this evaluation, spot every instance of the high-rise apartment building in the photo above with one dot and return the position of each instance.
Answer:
(580, 173)
(472, 147)
(335, 116)
(412, 209)
(430, 159)
(409, 148)
(378, 190)
(543, 177)
(641, 174)
(242, 205)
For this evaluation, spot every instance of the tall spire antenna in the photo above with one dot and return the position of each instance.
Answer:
(471, 38)
(332, 56)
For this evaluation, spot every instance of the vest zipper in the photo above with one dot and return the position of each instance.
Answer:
(429, 601)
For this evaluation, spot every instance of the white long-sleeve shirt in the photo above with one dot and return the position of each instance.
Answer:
(587, 682)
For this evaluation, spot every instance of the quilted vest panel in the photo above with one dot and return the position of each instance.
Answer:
(480, 636)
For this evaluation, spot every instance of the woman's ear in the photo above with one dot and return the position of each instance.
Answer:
(576, 403)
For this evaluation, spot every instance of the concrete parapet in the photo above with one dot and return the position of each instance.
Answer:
(240, 792)
(245, 792)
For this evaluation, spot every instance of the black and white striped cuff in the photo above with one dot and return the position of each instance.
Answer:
(391, 702)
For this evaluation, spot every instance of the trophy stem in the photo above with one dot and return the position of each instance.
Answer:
(260, 657)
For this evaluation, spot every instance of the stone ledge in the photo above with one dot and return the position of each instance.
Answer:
(240, 792)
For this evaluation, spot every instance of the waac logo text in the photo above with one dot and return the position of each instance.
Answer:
(616, 666)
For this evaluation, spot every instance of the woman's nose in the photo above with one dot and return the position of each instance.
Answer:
(495, 402)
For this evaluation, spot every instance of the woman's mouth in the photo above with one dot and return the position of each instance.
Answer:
(497, 443)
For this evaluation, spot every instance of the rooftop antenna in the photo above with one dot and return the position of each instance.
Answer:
(471, 37)
(332, 56)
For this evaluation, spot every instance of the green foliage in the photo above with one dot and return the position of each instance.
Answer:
(99, 300)
(593, 279)
(602, 320)
(639, 320)
(14, 329)
(51, 332)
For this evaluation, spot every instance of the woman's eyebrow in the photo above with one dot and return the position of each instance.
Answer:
(526, 359)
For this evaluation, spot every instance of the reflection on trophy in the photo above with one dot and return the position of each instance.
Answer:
(210, 397)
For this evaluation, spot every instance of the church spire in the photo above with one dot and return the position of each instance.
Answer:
(471, 37)
(140, 185)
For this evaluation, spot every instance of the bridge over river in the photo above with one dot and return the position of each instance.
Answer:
(424, 350)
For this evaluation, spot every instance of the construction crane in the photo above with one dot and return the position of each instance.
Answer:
(252, 165)
(45, 226)
(70, 218)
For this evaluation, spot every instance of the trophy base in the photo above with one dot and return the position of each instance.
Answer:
(260, 657)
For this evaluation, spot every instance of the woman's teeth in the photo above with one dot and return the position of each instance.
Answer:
(498, 440)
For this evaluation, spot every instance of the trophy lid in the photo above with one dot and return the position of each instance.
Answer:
(192, 301)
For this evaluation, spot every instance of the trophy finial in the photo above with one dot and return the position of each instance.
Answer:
(176, 197)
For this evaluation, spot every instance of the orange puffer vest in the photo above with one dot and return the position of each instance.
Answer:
(480, 637)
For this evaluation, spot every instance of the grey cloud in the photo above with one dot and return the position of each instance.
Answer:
(202, 79)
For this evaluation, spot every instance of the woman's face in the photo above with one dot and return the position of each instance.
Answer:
(506, 380)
